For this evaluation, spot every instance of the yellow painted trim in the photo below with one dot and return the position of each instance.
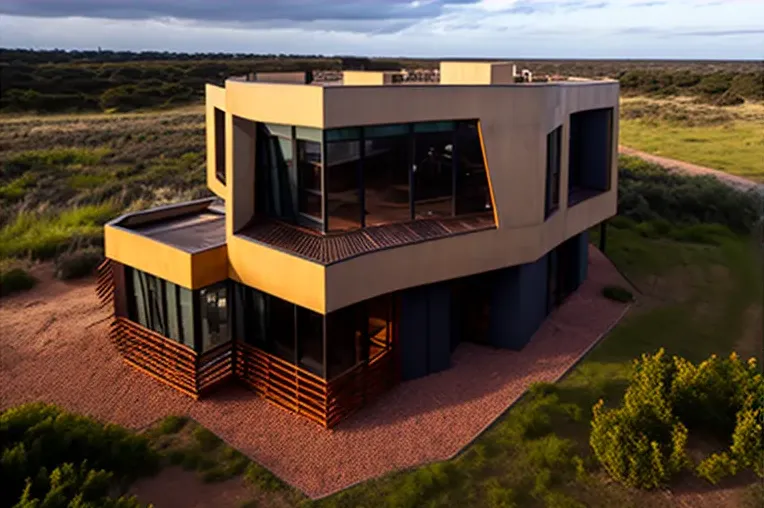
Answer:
(214, 98)
(488, 173)
(189, 270)
(209, 266)
(285, 276)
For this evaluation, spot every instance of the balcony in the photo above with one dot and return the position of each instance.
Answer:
(327, 249)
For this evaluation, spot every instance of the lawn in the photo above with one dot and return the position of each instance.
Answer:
(729, 138)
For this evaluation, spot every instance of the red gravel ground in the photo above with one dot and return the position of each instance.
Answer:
(54, 348)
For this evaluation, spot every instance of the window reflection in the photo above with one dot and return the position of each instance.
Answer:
(214, 316)
(386, 167)
(309, 168)
(310, 341)
(342, 185)
(472, 191)
(433, 174)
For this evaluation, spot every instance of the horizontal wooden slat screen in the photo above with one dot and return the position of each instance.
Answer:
(105, 283)
(278, 381)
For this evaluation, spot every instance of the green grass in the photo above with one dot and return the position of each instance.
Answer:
(538, 453)
(17, 188)
(734, 147)
(58, 157)
(42, 236)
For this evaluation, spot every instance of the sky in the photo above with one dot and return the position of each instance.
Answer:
(682, 29)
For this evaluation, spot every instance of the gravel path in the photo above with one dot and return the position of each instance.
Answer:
(685, 167)
(53, 348)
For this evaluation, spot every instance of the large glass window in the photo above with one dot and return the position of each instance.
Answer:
(553, 149)
(590, 153)
(472, 191)
(386, 168)
(310, 172)
(280, 318)
(214, 316)
(310, 341)
(343, 185)
(161, 306)
(433, 169)
(275, 173)
(219, 124)
(346, 340)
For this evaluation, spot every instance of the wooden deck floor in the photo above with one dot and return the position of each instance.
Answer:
(332, 248)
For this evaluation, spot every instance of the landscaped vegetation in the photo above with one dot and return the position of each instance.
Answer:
(51, 458)
(729, 139)
(57, 81)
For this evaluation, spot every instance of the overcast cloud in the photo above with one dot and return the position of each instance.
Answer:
(489, 28)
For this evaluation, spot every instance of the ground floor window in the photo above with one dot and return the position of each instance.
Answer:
(196, 318)
(327, 346)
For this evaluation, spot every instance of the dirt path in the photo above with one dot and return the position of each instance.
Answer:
(693, 169)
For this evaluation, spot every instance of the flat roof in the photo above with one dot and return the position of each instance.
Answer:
(194, 232)
(191, 227)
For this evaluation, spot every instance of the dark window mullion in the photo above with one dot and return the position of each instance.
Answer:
(295, 356)
(412, 154)
(454, 169)
(360, 179)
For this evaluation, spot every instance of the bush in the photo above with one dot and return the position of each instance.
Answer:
(263, 479)
(642, 443)
(67, 459)
(74, 265)
(716, 467)
(617, 293)
(649, 193)
(172, 424)
(15, 280)
(206, 439)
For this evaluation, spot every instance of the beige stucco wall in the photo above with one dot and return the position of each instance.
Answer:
(363, 78)
(465, 73)
(514, 121)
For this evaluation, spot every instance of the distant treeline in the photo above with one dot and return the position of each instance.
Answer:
(59, 81)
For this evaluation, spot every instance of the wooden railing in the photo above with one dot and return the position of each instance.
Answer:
(171, 362)
(105, 283)
(304, 393)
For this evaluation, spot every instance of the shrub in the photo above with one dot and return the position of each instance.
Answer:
(15, 280)
(172, 424)
(641, 443)
(263, 479)
(75, 265)
(617, 293)
(716, 467)
(649, 193)
(206, 439)
(86, 459)
(747, 447)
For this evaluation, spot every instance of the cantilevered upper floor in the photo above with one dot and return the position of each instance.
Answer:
(337, 194)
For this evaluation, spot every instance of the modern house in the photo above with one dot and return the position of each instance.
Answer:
(363, 230)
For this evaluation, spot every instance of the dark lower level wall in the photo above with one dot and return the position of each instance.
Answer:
(432, 319)
(425, 330)
(518, 304)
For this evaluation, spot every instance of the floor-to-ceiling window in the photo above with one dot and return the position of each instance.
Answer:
(310, 173)
(177, 312)
(327, 346)
(343, 179)
(386, 169)
(472, 191)
(433, 169)
(347, 178)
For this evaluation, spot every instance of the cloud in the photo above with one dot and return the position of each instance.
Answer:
(231, 10)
